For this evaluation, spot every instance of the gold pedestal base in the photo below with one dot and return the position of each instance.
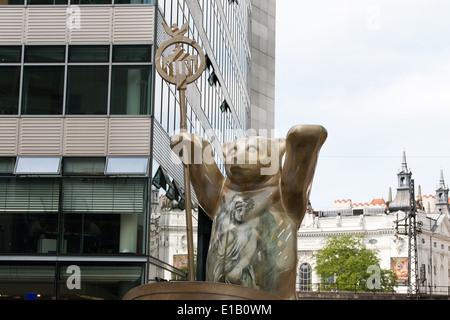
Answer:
(196, 291)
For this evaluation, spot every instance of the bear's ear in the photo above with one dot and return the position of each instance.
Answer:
(226, 147)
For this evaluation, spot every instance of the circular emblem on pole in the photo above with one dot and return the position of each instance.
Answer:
(179, 60)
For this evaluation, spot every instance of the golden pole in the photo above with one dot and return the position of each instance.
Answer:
(181, 69)
(187, 189)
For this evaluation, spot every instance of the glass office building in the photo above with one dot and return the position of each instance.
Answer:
(85, 123)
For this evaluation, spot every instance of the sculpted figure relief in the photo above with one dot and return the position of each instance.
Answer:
(258, 207)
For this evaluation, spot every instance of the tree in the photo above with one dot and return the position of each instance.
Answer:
(352, 266)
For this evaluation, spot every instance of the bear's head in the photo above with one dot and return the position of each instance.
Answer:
(253, 159)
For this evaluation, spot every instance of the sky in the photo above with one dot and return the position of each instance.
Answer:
(376, 75)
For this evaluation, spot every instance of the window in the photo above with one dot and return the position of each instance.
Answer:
(88, 54)
(127, 166)
(84, 83)
(10, 54)
(45, 54)
(43, 81)
(105, 281)
(130, 90)
(90, 1)
(132, 53)
(9, 89)
(38, 165)
(305, 277)
(7, 165)
(104, 216)
(85, 213)
(87, 90)
(43, 90)
(130, 87)
(65, 2)
(87, 85)
(19, 279)
(83, 166)
(28, 215)
(48, 2)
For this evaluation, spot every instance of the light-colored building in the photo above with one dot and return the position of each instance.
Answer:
(170, 238)
(262, 80)
(378, 223)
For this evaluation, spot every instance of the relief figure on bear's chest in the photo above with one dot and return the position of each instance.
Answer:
(258, 207)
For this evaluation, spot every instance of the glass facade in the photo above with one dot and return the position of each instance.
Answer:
(92, 82)
(217, 107)
(79, 213)
(74, 2)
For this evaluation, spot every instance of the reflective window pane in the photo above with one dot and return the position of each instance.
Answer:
(10, 53)
(84, 166)
(38, 165)
(134, 1)
(87, 90)
(51, 2)
(130, 90)
(127, 166)
(90, 1)
(45, 54)
(18, 279)
(9, 89)
(104, 216)
(108, 281)
(132, 53)
(11, 2)
(43, 88)
(7, 165)
(28, 215)
(89, 54)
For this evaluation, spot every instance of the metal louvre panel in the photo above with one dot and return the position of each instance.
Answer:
(40, 136)
(104, 196)
(11, 25)
(85, 136)
(133, 24)
(39, 195)
(8, 136)
(167, 159)
(45, 24)
(95, 25)
(129, 136)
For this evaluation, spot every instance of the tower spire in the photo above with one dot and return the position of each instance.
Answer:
(441, 179)
(404, 164)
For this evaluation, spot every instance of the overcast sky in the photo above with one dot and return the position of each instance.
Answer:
(376, 75)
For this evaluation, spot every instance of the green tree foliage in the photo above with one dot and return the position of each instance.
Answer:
(346, 260)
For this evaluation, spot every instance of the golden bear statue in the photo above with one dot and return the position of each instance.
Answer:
(258, 207)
